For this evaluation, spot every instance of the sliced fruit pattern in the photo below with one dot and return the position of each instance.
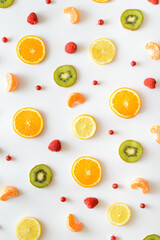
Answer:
(8, 192)
(155, 130)
(140, 183)
(73, 225)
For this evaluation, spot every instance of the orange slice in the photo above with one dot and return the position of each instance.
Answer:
(73, 225)
(101, 1)
(73, 14)
(154, 50)
(27, 122)
(87, 171)
(156, 132)
(8, 192)
(12, 82)
(125, 102)
(31, 49)
(75, 98)
(141, 184)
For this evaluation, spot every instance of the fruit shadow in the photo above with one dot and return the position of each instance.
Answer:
(145, 19)
(99, 128)
(143, 103)
(133, 217)
(41, 18)
(65, 146)
(45, 123)
(83, 15)
(22, 82)
(153, 188)
(44, 230)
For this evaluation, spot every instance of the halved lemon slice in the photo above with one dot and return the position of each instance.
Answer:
(102, 51)
(84, 126)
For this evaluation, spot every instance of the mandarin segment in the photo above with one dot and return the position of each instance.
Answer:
(154, 50)
(12, 82)
(73, 225)
(140, 183)
(155, 130)
(73, 14)
(8, 192)
(75, 98)
(101, 1)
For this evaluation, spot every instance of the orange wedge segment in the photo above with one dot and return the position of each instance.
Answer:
(154, 50)
(87, 171)
(73, 14)
(75, 98)
(31, 49)
(27, 122)
(156, 132)
(101, 1)
(8, 192)
(73, 225)
(140, 183)
(125, 102)
(12, 82)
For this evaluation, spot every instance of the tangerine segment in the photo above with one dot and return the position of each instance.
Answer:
(125, 102)
(12, 82)
(75, 98)
(27, 122)
(154, 49)
(8, 192)
(101, 1)
(73, 14)
(31, 49)
(156, 132)
(87, 171)
(73, 225)
(140, 183)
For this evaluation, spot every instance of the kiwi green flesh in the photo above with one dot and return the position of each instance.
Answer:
(152, 237)
(130, 151)
(40, 176)
(132, 19)
(6, 3)
(65, 76)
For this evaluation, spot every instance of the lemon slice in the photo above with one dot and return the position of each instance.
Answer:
(119, 214)
(28, 228)
(102, 51)
(84, 126)
(101, 1)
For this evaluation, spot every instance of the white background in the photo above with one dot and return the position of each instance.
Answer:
(56, 31)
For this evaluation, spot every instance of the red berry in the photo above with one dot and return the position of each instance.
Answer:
(155, 2)
(4, 39)
(115, 186)
(32, 18)
(70, 47)
(150, 83)
(48, 1)
(55, 146)
(95, 82)
(133, 63)
(91, 202)
(63, 199)
(100, 22)
(8, 158)
(38, 87)
(142, 205)
(113, 238)
(111, 132)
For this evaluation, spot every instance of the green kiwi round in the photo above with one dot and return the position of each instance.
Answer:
(130, 151)
(40, 176)
(6, 3)
(65, 76)
(132, 19)
(152, 237)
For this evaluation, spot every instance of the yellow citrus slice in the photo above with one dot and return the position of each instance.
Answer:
(119, 214)
(101, 1)
(27, 122)
(31, 49)
(102, 51)
(125, 102)
(87, 171)
(28, 228)
(84, 126)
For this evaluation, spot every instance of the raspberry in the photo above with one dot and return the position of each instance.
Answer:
(115, 186)
(150, 83)
(48, 1)
(38, 87)
(8, 158)
(111, 132)
(133, 63)
(91, 202)
(63, 199)
(113, 238)
(95, 82)
(155, 2)
(70, 47)
(4, 39)
(55, 146)
(100, 22)
(32, 18)
(142, 205)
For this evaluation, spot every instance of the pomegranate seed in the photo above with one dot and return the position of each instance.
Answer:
(142, 205)
(4, 39)
(63, 199)
(38, 87)
(8, 158)
(100, 22)
(113, 238)
(95, 82)
(48, 1)
(115, 186)
(133, 63)
(111, 132)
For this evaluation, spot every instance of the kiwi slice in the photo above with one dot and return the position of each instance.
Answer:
(65, 76)
(40, 176)
(132, 19)
(6, 3)
(130, 151)
(152, 237)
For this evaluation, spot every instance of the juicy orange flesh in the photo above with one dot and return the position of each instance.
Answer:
(126, 103)
(8, 192)
(155, 50)
(156, 131)
(140, 183)
(73, 224)
(31, 50)
(74, 14)
(87, 172)
(28, 123)
(75, 98)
